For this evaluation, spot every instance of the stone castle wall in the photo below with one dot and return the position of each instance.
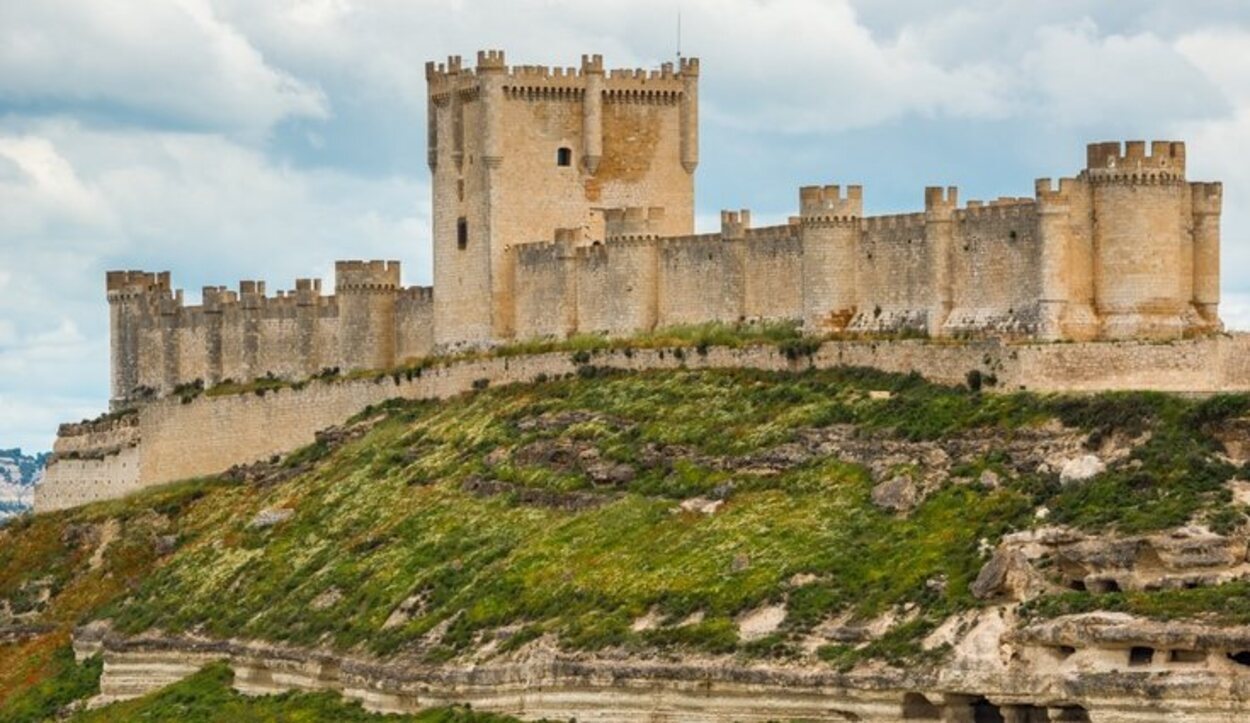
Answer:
(160, 344)
(92, 461)
(1055, 267)
(169, 440)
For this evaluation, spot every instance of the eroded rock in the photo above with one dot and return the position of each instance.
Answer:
(1079, 469)
(897, 494)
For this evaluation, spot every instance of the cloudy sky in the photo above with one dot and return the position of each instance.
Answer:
(234, 139)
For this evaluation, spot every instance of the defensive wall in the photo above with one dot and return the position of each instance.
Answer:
(1127, 249)
(159, 344)
(172, 439)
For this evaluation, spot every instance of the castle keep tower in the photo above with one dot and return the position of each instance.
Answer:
(1144, 241)
(518, 152)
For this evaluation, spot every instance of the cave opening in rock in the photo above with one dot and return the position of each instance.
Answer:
(1141, 655)
(984, 711)
(1070, 714)
(1077, 585)
(1241, 657)
(918, 707)
(1187, 656)
(1104, 586)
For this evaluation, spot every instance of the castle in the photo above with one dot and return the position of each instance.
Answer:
(563, 203)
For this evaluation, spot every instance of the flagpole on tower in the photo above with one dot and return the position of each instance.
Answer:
(679, 36)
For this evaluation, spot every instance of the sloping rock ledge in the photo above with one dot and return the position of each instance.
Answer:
(1032, 686)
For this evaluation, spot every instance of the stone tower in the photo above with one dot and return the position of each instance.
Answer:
(518, 152)
(366, 291)
(136, 299)
(831, 229)
(1145, 242)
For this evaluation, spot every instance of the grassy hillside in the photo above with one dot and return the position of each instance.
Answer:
(554, 511)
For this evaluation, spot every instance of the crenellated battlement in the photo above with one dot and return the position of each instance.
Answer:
(491, 61)
(735, 224)
(365, 275)
(1004, 207)
(541, 82)
(894, 221)
(128, 284)
(939, 199)
(782, 232)
(1047, 193)
(421, 294)
(633, 222)
(826, 203)
(1208, 198)
(1131, 162)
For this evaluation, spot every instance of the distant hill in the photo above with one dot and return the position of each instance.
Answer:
(18, 475)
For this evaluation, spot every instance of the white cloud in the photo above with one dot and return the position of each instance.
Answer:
(45, 189)
(211, 209)
(1088, 79)
(1235, 311)
(174, 59)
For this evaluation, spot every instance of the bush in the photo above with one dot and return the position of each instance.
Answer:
(67, 683)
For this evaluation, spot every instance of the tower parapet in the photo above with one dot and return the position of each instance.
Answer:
(734, 224)
(632, 222)
(1144, 277)
(1110, 161)
(827, 204)
(121, 284)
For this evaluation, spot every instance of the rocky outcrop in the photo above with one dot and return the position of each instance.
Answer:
(1080, 668)
(1051, 559)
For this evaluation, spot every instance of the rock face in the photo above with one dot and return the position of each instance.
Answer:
(1053, 559)
(1100, 668)
(898, 494)
(1081, 468)
(995, 666)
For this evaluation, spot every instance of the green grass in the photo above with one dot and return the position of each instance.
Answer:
(64, 682)
(390, 541)
(207, 697)
(1227, 604)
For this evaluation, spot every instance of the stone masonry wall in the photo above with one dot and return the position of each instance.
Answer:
(995, 258)
(210, 434)
(893, 274)
(161, 344)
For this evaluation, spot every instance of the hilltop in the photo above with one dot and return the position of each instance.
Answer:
(847, 524)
